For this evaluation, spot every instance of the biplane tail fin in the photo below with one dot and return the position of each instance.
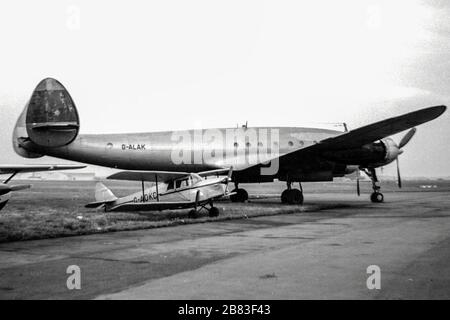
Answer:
(102, 195)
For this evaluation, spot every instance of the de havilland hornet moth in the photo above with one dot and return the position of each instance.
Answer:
(6, 189)
(49, 125)
(172, 190)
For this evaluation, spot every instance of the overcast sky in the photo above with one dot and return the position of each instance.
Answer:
(161, 65)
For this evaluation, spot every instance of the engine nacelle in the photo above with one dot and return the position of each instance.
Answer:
(392, 150)
(375, 154)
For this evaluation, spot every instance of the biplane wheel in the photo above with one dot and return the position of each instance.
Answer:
(193, 214)
(377, 197)
(240, 196)
(214, 212)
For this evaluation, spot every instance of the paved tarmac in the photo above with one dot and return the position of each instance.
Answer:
(322, 253)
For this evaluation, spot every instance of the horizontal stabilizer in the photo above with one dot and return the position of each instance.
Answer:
(56, 126)
(95, 204)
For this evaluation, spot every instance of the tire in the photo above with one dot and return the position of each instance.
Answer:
(214, 212)
(193, 214)
(240, 196)
(284, 196)
(297, 196)
(376, 197)
(294, 196)
(243, 195)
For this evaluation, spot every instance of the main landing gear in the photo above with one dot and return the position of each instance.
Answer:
(240, 196)
(292, 196)
(376, 196)
(212, 211)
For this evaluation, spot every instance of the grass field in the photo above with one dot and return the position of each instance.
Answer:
(56, 208)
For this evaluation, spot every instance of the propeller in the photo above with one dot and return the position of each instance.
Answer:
(399, 179)
(396, 152)
(230, 173)
(228, 178)
(406, 138)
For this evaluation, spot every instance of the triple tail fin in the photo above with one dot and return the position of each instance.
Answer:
(49, 119)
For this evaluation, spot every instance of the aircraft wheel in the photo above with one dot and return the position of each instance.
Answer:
(292, 196)
(377, 197)
(284, 196)
(295, 197)
(240, 196)
(214, 212)
(193, 214)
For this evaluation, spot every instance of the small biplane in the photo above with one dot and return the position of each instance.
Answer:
(170, 190)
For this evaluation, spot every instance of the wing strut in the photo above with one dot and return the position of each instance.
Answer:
(157, 192)
(143, 191)
(12, 176)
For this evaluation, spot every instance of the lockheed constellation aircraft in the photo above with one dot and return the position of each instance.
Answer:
(49, 125)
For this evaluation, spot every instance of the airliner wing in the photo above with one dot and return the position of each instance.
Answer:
(359, 137)
(382, 129)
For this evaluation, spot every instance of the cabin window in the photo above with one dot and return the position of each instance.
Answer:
(236, 144)
(248, 144)
(182, 183)
(290, 143)
(170, 185)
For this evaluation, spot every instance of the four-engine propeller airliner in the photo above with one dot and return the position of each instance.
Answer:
(5, 189)
(49, 125)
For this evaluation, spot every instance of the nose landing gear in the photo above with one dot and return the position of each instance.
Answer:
(376, 196)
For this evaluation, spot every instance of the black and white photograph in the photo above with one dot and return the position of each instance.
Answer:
(224, 155)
